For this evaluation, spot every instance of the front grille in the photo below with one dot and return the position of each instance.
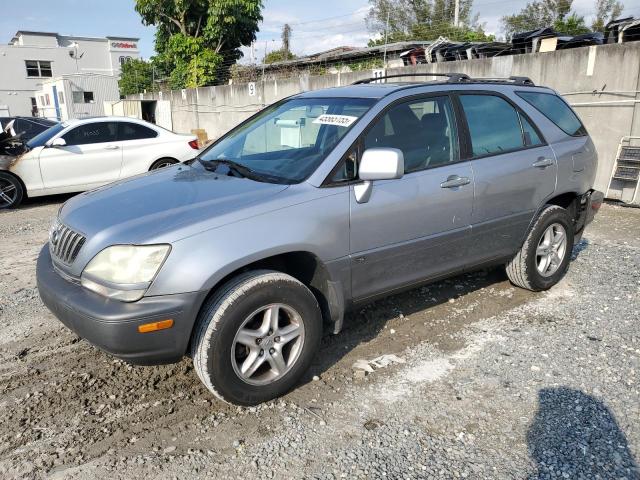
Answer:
(65, 244)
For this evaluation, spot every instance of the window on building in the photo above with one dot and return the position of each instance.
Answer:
(556, 110)
(82, 97)
(47, 99)
(38, 68)
(494, 125)
(124, 60)
(96, 132)
(61, 98)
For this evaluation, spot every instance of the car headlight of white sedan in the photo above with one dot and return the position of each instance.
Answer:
(124, 272)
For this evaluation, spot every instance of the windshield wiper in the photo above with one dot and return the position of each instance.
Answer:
(241, 170)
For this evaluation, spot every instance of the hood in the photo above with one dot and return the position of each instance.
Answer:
(164, 205)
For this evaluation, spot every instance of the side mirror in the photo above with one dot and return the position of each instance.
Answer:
(58, 142)
(378, 164)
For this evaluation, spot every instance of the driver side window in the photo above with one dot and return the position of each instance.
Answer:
(424, 130)
(98, 132)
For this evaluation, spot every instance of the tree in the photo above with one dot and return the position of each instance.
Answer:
(537, 14)
(136, 76)
(422, 20)
(279, 55)
(606, 10)
(571, 25)
(198, 40)
(283, 53)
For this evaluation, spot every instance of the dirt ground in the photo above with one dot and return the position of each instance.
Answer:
(71, 411)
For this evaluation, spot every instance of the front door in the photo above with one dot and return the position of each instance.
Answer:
(415, 227)
(515, 171)
(91, 157)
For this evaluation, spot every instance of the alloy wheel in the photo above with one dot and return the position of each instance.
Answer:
(268, 344)
(551, 250)
(8, 193)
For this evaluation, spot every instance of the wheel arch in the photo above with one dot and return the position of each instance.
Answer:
(569, 200)
(305, 267)
(17, 177)
(163, 157)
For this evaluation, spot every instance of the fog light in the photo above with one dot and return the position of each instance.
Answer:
(155, 326)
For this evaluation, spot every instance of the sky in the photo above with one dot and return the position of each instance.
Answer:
(317, 25)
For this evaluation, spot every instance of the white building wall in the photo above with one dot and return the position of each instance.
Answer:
(104, 88)
(99, 55)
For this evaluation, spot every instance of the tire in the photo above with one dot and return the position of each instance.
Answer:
(527, 268)
(239, 307)
(11, 191)
(163, 162)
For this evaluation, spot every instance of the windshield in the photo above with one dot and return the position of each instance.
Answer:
(43, 137)
(290, 139)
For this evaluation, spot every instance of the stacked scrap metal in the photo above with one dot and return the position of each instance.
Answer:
(544, 39)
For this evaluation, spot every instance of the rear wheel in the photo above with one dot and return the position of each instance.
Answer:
(163, 162)
(256, 337)
(11, 191)
(545, 255)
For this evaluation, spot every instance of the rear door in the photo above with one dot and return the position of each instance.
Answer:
(91, 157)
(415, 227)
(137, 143)
(514, 170)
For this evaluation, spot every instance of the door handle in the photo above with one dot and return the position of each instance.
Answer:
(454, 181)
(542, 163)
(111, 147)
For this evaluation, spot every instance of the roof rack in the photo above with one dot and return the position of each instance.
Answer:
(453, 78)
(513, 79)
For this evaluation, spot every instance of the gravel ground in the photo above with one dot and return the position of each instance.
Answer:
(497, 383)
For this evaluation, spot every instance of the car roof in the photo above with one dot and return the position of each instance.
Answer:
(106, 118)
(380, 90)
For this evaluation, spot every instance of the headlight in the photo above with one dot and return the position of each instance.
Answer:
(124, 272)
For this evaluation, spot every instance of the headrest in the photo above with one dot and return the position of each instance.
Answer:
(434, 122)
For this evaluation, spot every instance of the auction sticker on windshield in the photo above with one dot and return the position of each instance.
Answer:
(339, 120)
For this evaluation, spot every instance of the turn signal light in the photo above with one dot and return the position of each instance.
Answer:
(155, 326)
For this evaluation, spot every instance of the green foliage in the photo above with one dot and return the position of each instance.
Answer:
(571, 25)
(279, 55)
(606, 10)
(537, 14)
(136, 76)
(423, 20)
(198, 40)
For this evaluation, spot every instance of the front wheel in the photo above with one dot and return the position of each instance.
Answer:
(545, 255)
(256, 337)
(11, 191)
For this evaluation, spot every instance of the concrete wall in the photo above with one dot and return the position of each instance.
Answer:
(601, 83)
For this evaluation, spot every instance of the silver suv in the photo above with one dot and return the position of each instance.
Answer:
(320, 202)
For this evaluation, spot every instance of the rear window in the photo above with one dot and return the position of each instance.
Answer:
(556, 110)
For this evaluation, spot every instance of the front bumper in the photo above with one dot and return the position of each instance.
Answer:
(112, 325)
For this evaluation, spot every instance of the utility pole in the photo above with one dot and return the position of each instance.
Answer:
(386, 34)
(456, 14)
(265, 56)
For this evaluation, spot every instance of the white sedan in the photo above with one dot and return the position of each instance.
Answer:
(78, 155)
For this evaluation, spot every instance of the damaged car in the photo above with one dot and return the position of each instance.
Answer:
(79, 155)
(319, 203)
